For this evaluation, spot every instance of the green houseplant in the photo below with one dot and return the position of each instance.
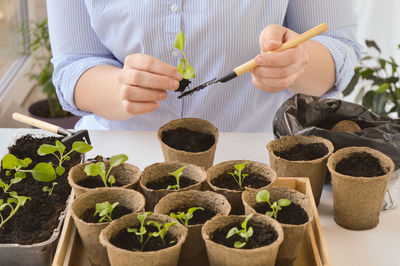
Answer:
(382, 93)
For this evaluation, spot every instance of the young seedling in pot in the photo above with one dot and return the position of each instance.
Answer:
(99, 169)
(177, 174)
(42, 172)
(104, 210)
(276, 206)
(141, 232)
(185, 217)
(237, 174)
(59, 149)
(162, 230)
(13, 203)
(245, 232)
(48, 189)
(184, 68)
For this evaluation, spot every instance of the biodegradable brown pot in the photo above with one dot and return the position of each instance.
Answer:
(193, 250)
(89, 232)
(294, 234)
(235, 196)
(220, 255)
(357, 201)
(315, 170)
(159, 170)
(118, 256)
(127, 174)
(204, 158)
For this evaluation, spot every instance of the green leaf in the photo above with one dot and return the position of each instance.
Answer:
(250, 231)
(372, 44)
(60, 170)
(350, 87)
(132, 230)
(379, 102)
(181, 68)
(81, 147)
(193, 209)
(383, 87)
(240, 166)
(15, 180)
(269, 213)
(118, 159)
(248, 217)
(43, 172)
(368, 99)
(263, 196)
(178, 172)
(45, 149)
(20, 175)
(60, 147)
(366, 73)
(111, 180)
(232, 232)
(180, 41)
(283, 202)
(25, 162)
(9, 161)
(142, 217)
(239, 244)
(94, 169)
(188, 73)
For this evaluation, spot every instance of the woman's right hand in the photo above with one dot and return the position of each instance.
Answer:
(144, 81)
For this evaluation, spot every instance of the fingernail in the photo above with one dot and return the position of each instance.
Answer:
(178, 76)
(174, 84)
(260, 60)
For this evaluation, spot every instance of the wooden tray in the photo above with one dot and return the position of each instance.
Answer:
(314, 251)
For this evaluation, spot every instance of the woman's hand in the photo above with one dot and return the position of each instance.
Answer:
(144, 81)
(280, 70)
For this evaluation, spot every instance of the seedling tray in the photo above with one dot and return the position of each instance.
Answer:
(314, 251)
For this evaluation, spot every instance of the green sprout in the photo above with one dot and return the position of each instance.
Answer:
(78, 146)
(185, 217)
(142, 231)
(177, 174)
(99, 169)
(104, 210)
(13, 203)
(237, 174)
(244, 232)
(42, 172)
(162, 230)
(184, 68)
(49, 190)
(264, 195)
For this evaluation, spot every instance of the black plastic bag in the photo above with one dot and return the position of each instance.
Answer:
(310, 115)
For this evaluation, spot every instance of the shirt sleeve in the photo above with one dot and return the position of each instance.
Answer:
(75, 47)
(340, 39)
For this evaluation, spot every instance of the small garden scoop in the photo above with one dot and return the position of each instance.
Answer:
(249, 65)
(70, 137)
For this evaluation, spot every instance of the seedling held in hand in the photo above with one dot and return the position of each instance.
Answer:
(237, 174)
(244, 232)
(78, 146)
(185, 217)
(49, 190)
(184, 68)
(13, 203)
(104, 210)
(276, 206)
(162, 230)
(42, 172)
(99, 169)
(177, 174)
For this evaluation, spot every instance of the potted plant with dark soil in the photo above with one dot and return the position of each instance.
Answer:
(301, 156)
(193, 208)
(94, 210)
(160, 179)
(360, 177)
(144, 239)
(42, 179)
(189, 140)
(100, 172)
(290, 208)
(231, 178)
(242, 240)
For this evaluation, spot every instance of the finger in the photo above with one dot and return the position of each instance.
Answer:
(137, 94)
(138, 108)
(276, 84)
(150, 64)
(272, 37)
(278, 59)
(149, 80)
(275, 72)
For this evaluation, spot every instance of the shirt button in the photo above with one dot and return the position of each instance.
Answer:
(175, 53)
(174, 8)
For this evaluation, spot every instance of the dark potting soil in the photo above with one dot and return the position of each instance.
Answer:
(253, 180)
(304, 152)
(360, 164)
(35, 221)
(263, 235)
(291, 214)
(187, 140)
(170, 180)
(118, 211)
(199, 216)
(124, 239)
(96, 181)
(183, 84)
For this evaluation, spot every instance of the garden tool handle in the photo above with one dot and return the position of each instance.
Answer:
(35, 122)
(249, 65)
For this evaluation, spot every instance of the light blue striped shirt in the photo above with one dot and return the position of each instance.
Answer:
(220, 35)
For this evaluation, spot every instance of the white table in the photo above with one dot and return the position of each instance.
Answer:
(375, 247)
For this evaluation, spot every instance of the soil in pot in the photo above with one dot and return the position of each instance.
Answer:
(118, 211)
(37, 219)
(291, 214)
(95, 182)
(253, 180)
(360, 164)
(304, 152)
(199, 216)
(188, 140)
(170, 180)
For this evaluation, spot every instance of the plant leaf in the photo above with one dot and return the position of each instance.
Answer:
(43, 172)
(263, 196)
(60, 170)
(188, 73)
(9, 161)
(20, 175)
(350, 87)
(93, 169)
(372, 44)
(283, 202)
(81, 147)
(180, 41)
(118, 159)
(60, 147)
(45, 149)
(239, 244)
(383, 87)
(232, 232)
(269, 213)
